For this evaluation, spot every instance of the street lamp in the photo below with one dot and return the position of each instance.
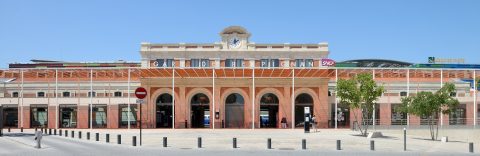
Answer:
(5, 81)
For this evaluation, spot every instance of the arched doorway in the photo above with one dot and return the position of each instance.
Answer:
(269, 111)
(164, 112)
(234, 111)
(200, 111)
(301, 101)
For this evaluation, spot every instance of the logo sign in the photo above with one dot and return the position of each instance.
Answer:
(140, 92)
(434, 60)
(431, 59)
(328, 62)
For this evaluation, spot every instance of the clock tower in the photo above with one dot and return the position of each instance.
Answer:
(234, 38)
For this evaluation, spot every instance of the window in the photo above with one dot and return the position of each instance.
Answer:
(39, 115)
(92, 94)
(458, 115)
(329, 93)
(205, 63)
(164, 63)
(234, 63)
(66, 94)
(453, 94)
(398, 117)
(274, 62)
(299, 63)
(40, 94)
(15, 94)
(199, 63)
(194, 62)
(68, 116)
(99, 116)
(403, 93)
(308, 62)
(269, 63)
(230, 63)
(124, 115)
(117, 94)
(264, 63)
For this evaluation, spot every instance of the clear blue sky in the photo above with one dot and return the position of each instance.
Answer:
(112, 30)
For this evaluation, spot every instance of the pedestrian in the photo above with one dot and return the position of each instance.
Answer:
(314, 124)
(284, 122)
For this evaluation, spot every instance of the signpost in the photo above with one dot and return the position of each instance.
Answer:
(306, 124)
(140, 93)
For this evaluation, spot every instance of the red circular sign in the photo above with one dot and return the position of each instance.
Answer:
(140, 92)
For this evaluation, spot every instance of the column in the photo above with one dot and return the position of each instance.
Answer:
(293, 98)
(336, 100)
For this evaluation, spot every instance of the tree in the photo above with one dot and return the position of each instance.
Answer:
(360, 92)
(430, 105)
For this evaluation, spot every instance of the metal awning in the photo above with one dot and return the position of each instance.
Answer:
(121, 74)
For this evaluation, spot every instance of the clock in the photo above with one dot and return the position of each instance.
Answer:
(234, 42)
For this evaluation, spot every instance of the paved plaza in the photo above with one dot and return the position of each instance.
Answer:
(249, 142)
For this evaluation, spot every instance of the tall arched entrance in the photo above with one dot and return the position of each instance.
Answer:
(200, 111)
(301, 101)
(164, 112)
(269, 111)
(234, 111)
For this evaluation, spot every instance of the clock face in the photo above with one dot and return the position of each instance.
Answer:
(234, 42)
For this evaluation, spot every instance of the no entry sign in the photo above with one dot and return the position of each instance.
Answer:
(140, 92)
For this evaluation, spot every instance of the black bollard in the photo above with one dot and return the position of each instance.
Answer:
(8, 129)
(119, 139)
(470, 147)
(134, 141)
(234, 142)
(59, 132)
(36, 129)
(66, 133)
(199, 142)
(304, 144)
(269, 143)
(186, 125)
(107, 139)
(73, 134)
(164, 141)
(21, 129)
(49, 131)
(97, 136)
(372, 145)
(54, 131)
(88, 135)
(79, 134)
(223, 124)
(339, 147)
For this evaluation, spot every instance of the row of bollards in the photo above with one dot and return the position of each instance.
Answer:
(199, 139)
(97, 135)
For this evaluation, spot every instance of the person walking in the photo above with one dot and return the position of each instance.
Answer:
(284, 122)
(314, 124)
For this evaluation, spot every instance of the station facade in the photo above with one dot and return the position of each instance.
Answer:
(234, 83)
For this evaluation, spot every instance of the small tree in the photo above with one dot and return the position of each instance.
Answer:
(360, 92)
(430, 105)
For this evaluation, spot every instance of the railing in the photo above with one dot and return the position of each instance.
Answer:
(399, 122)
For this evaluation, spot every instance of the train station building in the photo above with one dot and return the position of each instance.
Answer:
(233, 83)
